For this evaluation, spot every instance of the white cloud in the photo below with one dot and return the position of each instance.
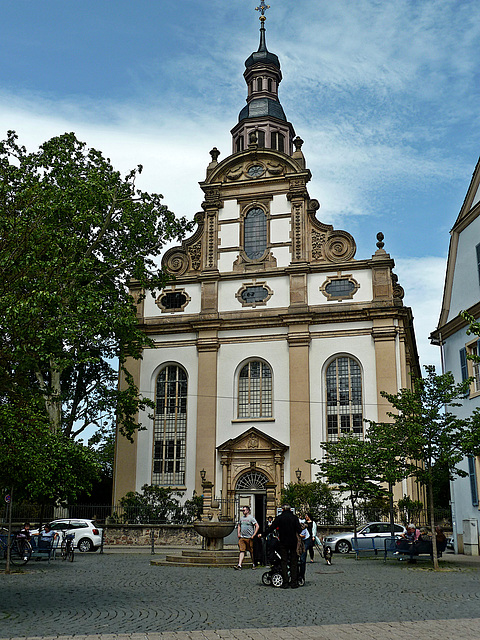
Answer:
(422, 280)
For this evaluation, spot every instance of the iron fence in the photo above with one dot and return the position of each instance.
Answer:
(186, 514)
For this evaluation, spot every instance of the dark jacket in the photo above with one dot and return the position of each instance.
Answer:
(288, 526)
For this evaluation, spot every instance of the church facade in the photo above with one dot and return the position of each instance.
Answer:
(272, 336)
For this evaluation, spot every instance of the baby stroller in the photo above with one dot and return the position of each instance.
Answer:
(274, 576)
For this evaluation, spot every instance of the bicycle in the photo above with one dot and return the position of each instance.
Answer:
(20, 548)
(67, 548)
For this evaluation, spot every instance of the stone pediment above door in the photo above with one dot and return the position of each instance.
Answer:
(252, 440)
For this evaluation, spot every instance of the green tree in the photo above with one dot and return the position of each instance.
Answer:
(73, 233)
(316, 498)
(154, 504)
(352, 466)
(427, 433)
(39, 465)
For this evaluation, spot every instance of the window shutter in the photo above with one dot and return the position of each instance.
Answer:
(463, 365)
(473, 480)
(478, 261)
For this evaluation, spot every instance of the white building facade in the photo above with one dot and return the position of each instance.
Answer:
(462, 293)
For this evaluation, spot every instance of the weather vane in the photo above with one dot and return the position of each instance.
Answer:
(262, 8)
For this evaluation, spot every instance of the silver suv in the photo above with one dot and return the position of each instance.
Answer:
(88, 537)
(342, 542)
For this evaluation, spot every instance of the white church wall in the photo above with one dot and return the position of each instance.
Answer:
(282, 255)
(322, 351)
(230, 359)
(152, 310)
(363, 294)
(229, 235)
(280, 205)
(227, 290)
(279, 230)
(228, 211)
(153, 361)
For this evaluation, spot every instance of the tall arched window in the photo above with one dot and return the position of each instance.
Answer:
(170, 427)
(255, 234)
(255, 391)
(344, 398)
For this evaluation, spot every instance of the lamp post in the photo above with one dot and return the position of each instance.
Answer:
(298, 473)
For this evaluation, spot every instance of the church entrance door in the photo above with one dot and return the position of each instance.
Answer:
(251, 492)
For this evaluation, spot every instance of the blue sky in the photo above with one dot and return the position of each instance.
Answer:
(385, 95)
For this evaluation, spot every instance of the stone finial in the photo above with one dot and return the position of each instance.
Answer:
(214, 153)
(298, 142)
(380, 237)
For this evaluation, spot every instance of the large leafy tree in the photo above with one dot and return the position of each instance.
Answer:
(427, 434)
(316, 498)
(352, 466)
(73, 233)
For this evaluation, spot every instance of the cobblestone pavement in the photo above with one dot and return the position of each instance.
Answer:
(121, 596)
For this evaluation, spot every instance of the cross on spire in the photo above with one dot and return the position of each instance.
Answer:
(262, 8)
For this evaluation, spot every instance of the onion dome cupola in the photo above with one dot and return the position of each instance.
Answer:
(263, 114)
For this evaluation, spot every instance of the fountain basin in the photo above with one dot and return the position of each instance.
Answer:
(214, 533)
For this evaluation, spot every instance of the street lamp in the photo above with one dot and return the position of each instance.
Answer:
(298, 473)
(203, 475)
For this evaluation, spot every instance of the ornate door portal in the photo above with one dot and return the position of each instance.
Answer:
(252, 472)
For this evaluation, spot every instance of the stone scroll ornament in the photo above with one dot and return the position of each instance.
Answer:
(176, 261)
(339, 247)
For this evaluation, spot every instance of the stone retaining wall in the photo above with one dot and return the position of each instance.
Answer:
(137, 534)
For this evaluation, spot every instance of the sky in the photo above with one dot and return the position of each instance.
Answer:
(385, 94)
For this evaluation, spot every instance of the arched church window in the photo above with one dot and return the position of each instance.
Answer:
(344, 398)
(255, 234)
(270, 84)
(239, 144)
(170, 427)
(260, 138)
(255, 390)
(259, 84)
(277, 141)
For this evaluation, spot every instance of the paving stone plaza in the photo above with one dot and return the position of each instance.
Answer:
(119, 595)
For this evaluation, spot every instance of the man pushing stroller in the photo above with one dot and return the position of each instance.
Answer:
(287, 526)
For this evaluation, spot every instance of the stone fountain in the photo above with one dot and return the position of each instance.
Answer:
(213, 531)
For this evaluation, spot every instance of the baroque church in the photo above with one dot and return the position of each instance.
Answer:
(272, 336)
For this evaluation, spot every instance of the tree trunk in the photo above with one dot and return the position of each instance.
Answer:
(432, 522)
(354, 515)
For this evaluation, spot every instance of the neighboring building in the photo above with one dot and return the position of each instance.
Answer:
(462, 293)
(272, 337)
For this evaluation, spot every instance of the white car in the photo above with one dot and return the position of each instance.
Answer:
(88, 537)
(342, 542)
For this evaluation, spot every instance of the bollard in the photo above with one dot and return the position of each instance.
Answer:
(152, 539)
(103, 538)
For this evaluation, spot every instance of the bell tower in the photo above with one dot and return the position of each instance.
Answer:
(262, 120)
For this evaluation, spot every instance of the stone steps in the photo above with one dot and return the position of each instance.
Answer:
(201, 558)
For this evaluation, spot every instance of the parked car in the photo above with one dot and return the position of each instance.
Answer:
(342, 542)
(88, 537)
(450, 544)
